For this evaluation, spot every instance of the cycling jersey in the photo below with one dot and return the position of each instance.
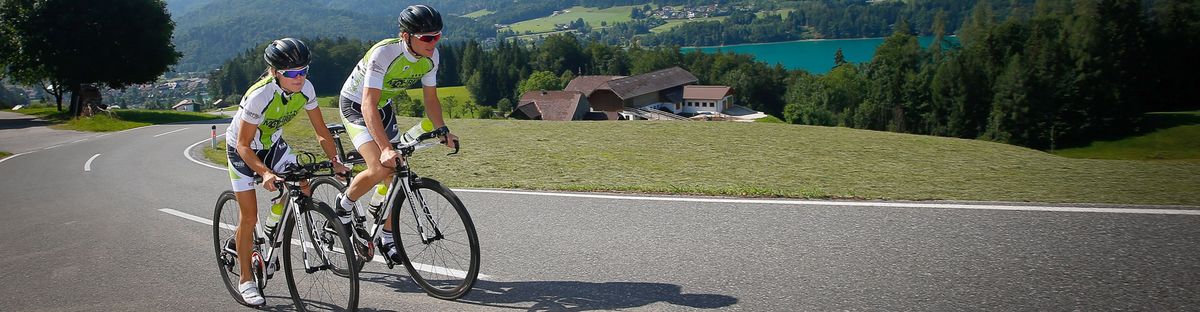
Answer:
(390, 67)
(266, 105)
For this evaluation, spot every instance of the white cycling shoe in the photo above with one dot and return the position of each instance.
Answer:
(250, 294)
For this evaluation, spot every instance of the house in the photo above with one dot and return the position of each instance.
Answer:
(186, 106)
(659, 90)
(705, 99)
(552, 105)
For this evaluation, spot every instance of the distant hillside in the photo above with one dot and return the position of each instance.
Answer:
(208, 32)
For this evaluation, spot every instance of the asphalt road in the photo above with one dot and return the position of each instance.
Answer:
(89, 235)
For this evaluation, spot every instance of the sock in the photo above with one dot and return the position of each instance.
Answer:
(346, 205)
(386, 238)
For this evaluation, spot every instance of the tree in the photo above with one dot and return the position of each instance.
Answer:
(540, 80)
(115, 43)
(839, 59)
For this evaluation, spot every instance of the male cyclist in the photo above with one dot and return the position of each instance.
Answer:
(388, 68)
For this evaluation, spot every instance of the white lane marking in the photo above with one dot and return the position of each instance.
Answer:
(52, 146)
(79, 140)
(12, 156)
(88, 165)
(378, 258)
(852, 204)
(71, 222)
(189, 155)
(169, 132)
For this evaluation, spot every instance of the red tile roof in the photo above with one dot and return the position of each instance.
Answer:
(555, 105)
(589, 84)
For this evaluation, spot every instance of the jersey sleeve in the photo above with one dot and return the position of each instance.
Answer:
(430, 78)
(377, 66)
(254, 104)
(311, 94)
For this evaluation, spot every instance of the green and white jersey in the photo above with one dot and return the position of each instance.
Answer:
(267, 105)
(391, 68)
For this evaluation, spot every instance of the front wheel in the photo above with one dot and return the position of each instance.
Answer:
(224, 228)
(316, 261)
(444, 260)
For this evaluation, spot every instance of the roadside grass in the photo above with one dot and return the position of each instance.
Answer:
(671, 24)
(1168, 136)
(120, 119)
(478, 14)
(4, 155)
(592, 16)
(737, 159)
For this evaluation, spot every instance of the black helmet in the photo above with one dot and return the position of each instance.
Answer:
(286, 53)
(420, 19)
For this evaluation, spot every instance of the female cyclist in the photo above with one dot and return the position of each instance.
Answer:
(255, 143)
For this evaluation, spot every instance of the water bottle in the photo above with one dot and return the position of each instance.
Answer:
(376, 202)
(273, 218)
(417, 130)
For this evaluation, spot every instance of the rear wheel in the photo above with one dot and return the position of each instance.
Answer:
(446, 263)
(316, 261)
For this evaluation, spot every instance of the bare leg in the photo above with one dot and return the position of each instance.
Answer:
(247, 218)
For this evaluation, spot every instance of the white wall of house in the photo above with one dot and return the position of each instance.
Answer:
(693, 106)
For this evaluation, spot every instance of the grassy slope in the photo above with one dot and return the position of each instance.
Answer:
(592, 16)
(125, 119)
(1174, 136)
(4, 154)
(671, 24)
(478, 14)
(729, 158)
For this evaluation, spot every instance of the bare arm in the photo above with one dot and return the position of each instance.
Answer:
(323, 136)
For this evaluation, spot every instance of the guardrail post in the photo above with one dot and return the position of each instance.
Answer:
(214, 136)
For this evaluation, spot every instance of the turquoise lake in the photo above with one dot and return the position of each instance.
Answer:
(815, 56)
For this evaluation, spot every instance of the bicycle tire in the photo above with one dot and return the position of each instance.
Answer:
(326, 189)
(223, 231)
(327, 249)
(442, 279)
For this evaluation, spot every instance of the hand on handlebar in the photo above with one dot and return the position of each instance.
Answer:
(270, 181)
(388, 157)
(339, 168)
(450, 140)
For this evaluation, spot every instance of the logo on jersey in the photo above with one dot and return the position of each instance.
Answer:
(400, 82)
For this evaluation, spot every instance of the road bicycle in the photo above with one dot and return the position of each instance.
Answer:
(434, 235)
(319, 271)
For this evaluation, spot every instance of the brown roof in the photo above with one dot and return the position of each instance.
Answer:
(706, 92)
(554, 105)
(589, 84)
(633, 86)
(527, 109)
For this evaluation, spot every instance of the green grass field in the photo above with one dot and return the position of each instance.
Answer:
(736, 159)
(120, 120)
(478, 14)
(592, 16)
(671, 24)
(4, 154)
(460, 93)
(781, 12)
(1172, 136)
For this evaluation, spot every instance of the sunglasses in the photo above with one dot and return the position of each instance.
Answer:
(293, 73)
(429, 37)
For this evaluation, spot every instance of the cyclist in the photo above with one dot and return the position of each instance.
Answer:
(388, 68)
(255, 143)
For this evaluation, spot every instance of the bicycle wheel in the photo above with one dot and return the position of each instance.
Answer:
(326, 190)
(225, 221)
(447, 265)
(312, 270)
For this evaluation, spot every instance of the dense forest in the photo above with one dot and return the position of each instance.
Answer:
(1051, 75)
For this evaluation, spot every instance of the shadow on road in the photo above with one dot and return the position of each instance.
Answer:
(565, 295)
(21, 123)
